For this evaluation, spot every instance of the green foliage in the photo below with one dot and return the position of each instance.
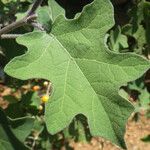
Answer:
(56, 10)
(118, 41)
(138, 27)
(14, 132)
(29, 103)
(86, 75)
(136, 34)
(9, 8)
(48, 14)
(146, 139)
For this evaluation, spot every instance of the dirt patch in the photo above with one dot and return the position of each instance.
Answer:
(136, 131)
(4, 91)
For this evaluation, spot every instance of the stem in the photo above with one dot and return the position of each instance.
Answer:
(28, 18)
(12, 26)
(17, 24)
(10, 36)
(48, 88)
(36, 4)
(37, 25)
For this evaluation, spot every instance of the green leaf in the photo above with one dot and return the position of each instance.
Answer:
(10, 98)
(6, 1)
(15, 111)
(31, 99)
(146, 138)
(118, 41)
(11, 49)
(139, 26)
(139, 36)
(144, 98)
(44, 17)
(28, 103)
(5, 143)
(86, 76)
(22, 127)
(56, 9)
(48, 14)
(13, 134)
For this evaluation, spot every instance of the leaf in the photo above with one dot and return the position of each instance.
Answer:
(6, 1)
(10, 98)
(4, 139)
(118, 41)
(44, 17)
(56, 9)
(143, 95)
(22, 127)
(139, 36)
(144, 98)
(11, 49)
(31, 99)
(48, 14)
(146, 138)
(28, 103)
(139, 26)
(86, 76)
(11, 137)
(14, 110)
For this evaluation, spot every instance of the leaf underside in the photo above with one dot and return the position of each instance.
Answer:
(86, 76)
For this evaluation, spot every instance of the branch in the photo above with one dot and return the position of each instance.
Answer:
(27, 19)
(36, 4)
(17, 24)
(37, 25)
(10, 36)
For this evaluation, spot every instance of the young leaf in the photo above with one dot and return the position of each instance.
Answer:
(86, 76)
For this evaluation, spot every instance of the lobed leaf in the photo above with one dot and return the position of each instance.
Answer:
(86, 76)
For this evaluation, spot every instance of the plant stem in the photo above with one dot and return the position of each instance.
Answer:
(28, 18)
(37, 25)
(48, 88)
(36, 4)
(17, 24)
(10, 36)
(81, 131)
(12, 26)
